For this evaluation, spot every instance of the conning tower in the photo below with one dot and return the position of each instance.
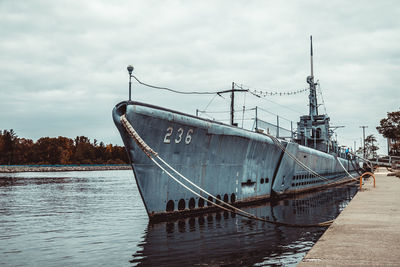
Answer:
(313, 129)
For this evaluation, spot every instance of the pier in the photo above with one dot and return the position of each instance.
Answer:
(367, 232)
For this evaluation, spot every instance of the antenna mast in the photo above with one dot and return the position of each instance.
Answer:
(311, 58)
(313, 92)
(232, 91)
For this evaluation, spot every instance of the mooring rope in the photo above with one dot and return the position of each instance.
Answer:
(149, 152)
(352, 177)
(363, 159)
(278, 143)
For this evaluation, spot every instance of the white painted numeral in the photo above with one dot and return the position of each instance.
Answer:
(179, 135)
(167, 139)
(178, 139)
(188, 138)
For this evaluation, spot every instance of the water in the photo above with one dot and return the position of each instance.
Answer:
(97, 218)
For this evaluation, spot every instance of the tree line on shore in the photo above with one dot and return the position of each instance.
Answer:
(57, 150)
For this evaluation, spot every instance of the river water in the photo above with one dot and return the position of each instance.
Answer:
(97, 218)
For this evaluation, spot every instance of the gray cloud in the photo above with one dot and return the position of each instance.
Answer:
(62, 63)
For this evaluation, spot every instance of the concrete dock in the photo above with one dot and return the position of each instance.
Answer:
(367, 232)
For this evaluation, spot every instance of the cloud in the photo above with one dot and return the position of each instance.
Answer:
(63, 63)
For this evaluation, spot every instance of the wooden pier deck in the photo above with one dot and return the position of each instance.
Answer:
(367, 232)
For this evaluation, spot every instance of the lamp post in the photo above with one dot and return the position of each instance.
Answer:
(130, 69)
(363, 127)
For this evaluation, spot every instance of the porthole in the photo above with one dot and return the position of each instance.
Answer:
(170, 205)
(192, 203)
(200, 204)
(267, 180)
(233, 198)
(226, 198)
(181, 204)
(262, 181)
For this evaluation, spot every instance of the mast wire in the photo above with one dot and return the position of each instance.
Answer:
(322, 97)
(208, 93)
(172, 90)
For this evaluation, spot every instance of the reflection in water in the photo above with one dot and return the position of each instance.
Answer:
(87, 218)
(224, 239)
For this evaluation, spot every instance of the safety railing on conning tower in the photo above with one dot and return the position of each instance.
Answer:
(263, 121)
(249, 118)
(278, 130)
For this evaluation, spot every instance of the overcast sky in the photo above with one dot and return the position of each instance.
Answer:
(63, 63)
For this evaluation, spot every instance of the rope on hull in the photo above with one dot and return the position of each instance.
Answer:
(225, 206)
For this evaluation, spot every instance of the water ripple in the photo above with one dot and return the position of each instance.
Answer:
(92, 218)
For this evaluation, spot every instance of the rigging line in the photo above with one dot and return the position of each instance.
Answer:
(220, 111)
(212, 99)
(275, 114)
(236, 106)
(225, 111)
(244, 107)
(272, 93)
(293, 110)
(322, 97)
(265, 94)
(246, 119)
(212, 118)
(172, 90)
(236, 109)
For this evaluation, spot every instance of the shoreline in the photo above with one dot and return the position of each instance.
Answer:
(61, 168)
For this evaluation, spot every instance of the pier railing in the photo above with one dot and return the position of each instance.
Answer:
(387, 161)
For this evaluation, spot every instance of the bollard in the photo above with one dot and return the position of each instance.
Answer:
(365, 173)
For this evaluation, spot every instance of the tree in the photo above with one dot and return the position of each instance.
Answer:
(24, 152)
(370, 148)
(8, 142)
(47, 151)
(84, 150)
(60, 150)
(395, 151)
(390, 126)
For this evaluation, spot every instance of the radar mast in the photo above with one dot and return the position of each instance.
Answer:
(313, 92)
